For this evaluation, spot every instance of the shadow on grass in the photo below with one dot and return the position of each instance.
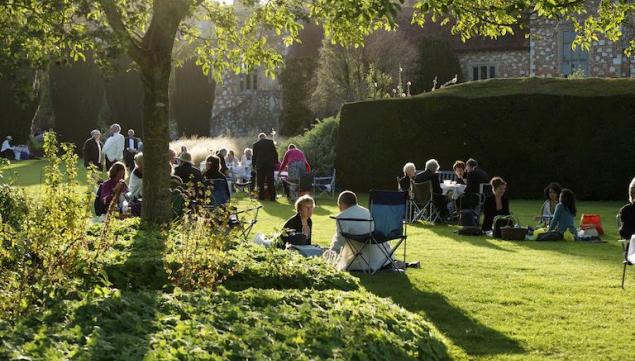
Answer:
(121, 327)
(466, 332)
(444, 230)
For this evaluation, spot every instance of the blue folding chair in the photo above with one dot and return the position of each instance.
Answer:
(388, 211)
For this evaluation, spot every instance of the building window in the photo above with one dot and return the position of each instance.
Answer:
(483, 71)
(249, 81)
(572, 60)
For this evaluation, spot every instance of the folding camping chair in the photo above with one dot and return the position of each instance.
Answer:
(388, 215)
(423, 204)
(324, 185)
(236, 218)
(299, 187)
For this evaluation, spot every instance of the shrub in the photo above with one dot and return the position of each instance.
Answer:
(318, 144)
(530, 131)
(13, 206)
(255, 266)
(201, 147)
(295, 81)
(202, 325)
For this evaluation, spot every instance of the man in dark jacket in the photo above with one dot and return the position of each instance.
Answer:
(264, 160)
(92, 150)
(430, 174)
(131, 149)
(186, 171)
(475, 177)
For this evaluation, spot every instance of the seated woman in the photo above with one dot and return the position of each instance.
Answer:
(213, 168)
(627, 214)
(115, 185)
(299, 227)
(459, 171)
(495, 205)
(135, 186)
(552, 196)
(564, 215)
(409, 173)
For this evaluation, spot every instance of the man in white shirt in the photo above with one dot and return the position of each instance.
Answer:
(114, 146)
(7, 149)
(349, 209)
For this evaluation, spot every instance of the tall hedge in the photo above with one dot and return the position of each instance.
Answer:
(580, 134)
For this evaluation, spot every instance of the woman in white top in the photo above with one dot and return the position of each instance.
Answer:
(246, 164)
(233, 166)
(552, 195)
(135, 182)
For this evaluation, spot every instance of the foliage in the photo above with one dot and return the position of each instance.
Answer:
(43, 256)
(436, 64)
(540, 124)
(295, 80)
(253, 324)
(254, 266)
(318, 144)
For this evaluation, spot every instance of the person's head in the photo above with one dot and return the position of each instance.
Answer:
(499, 186)
(262, 136)
(409, 170)
(131, 133)
(185, 158)
(183, 149)
(552, 192)
(631, 191)
(471, 164)
(346, 200)
(231, 154)
(568, 199)
(248, 153)
(304, 206)
(459, 168)
(115, 128)
(212, 162)
(291, 146)
(222, 152)
(138, 161)
(432, 165)
(117, 171)
(172, 154)
(95, 134)
(9, 137)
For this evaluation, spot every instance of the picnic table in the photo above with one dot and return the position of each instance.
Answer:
(452, 189)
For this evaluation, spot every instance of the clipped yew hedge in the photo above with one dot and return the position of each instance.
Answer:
(529, 131)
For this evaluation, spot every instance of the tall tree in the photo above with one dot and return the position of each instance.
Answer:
(36, 32)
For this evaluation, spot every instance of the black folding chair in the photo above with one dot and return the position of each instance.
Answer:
(625, 246)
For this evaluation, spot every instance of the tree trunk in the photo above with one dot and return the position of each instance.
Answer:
(155, 63)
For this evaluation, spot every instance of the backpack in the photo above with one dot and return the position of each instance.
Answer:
(468, 218)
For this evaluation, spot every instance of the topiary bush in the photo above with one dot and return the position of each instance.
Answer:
(529, 131)
(214, 325)
(318, 144)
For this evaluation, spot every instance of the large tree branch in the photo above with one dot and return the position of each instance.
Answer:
(132, 42)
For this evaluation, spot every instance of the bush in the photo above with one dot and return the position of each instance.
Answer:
(202, 325)
(529, 131)
(295, 81)
(13, 206)
(318, 144)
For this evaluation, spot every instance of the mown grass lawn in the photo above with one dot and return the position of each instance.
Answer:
(494, 300)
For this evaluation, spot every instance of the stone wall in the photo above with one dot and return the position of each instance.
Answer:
(509, 64)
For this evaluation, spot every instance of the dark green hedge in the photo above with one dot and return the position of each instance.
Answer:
(530, 139)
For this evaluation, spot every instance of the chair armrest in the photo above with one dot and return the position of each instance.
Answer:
(249, 210)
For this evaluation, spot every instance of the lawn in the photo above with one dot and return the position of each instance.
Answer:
(494, 300)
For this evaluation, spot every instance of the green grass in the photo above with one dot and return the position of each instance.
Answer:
(495, 300)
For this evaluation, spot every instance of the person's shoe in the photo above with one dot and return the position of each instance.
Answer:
(416, 264)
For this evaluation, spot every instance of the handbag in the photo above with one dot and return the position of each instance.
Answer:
(513, 233)
(470, 231)
(594, 219)
(503, 221)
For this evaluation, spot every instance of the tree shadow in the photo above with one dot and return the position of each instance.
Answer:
(120, 326)
(466, 332)
(444, 230)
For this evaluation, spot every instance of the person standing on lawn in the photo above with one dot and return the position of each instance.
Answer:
(264, 160)
(92, 150)
(114, 146)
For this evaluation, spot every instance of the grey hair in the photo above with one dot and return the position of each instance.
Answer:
(94, 131)
(432, 165)
(407, 166)
(631, 191)
(116, 126)
(138, 158)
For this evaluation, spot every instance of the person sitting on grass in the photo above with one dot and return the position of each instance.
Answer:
(627, 214)
(564, 216)
(495, 205)
(409, 173)
(299, 227)
(115, 185)
(552, 196)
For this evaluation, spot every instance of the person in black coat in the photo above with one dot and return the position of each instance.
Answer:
(299, 227)
(92, 150)
(186, 171)
(627, 214)
(495, 205)
(131, 149)
(264, 160)
(212, 168)
(475, 177)
(409, 173)
(430, 174)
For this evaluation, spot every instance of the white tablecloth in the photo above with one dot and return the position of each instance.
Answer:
(457, 189)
